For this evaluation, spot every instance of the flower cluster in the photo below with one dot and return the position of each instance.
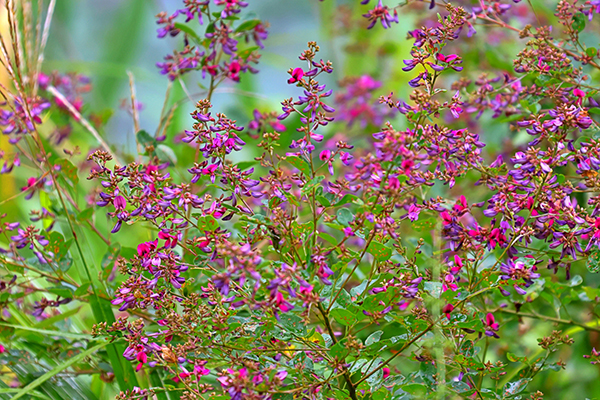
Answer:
(217, 54)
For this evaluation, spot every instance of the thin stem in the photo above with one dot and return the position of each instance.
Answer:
(347, 378)
(594, 328)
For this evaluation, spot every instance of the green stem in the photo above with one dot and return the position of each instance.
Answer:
(351, 386)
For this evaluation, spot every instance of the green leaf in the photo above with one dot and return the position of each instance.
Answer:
(373, 338)
(57, 318)
(68, 170)
(512, 388)
(459, 387)
(382, 394)
(244, 165)
(108, 260)
(379, 251)
(312, 184)
(344, 301)
(188, 31)
(339, 350)
(207, 223)
(328, 237)
(434, 288)
(374, 380)
(514, 358)
(594, 110)
(348, 198)
(85, 214)
(58, 245)
(65, 264)
(416, 389)
(300, 164)
(591, 51)
(246, 25)
(157, 381)
(246, 52)
(575, 281)
(424, 224)
(61, 291)
(343, 317)
(165, 153)
(210, 28)
(32, 394)
(489, 394)
(145, 139)
(593, 261)
(467, 348)
(358, 290)
(345, 216)
(578, 22)
(293, 323)
(56, 370)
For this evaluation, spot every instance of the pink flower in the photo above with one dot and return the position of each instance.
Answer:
(234, 70)
(449, 282)
(413, 212)
(461, 204)
(386, 372)
(346, 158)
(446, 218)
(119, 202)
(579, 93)
(325, 155)
(446, 59)
(200, 370)
(257, 379)
(407, 166)
(30, 183)
(142, 358)
(492, 325)
(144, 248)
(171, 240)
(281, 375)
(297, 75)
(281, 303)
(448, 308)
(458, 264)
(393, 183)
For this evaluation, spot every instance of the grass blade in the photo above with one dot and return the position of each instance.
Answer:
(27, 390)
(47, 332)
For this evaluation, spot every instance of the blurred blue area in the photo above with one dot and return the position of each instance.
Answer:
(105, 39)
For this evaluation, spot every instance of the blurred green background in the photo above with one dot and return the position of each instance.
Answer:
(106, 39)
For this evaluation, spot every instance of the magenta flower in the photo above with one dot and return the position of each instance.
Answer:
(297, 75)
(119, 202)
(447, 309)
(145, 248)
(491, 325)
(142, 358)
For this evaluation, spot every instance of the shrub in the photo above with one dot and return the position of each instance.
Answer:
(281, 258)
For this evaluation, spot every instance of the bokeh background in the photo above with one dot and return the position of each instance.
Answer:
(105, 39)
